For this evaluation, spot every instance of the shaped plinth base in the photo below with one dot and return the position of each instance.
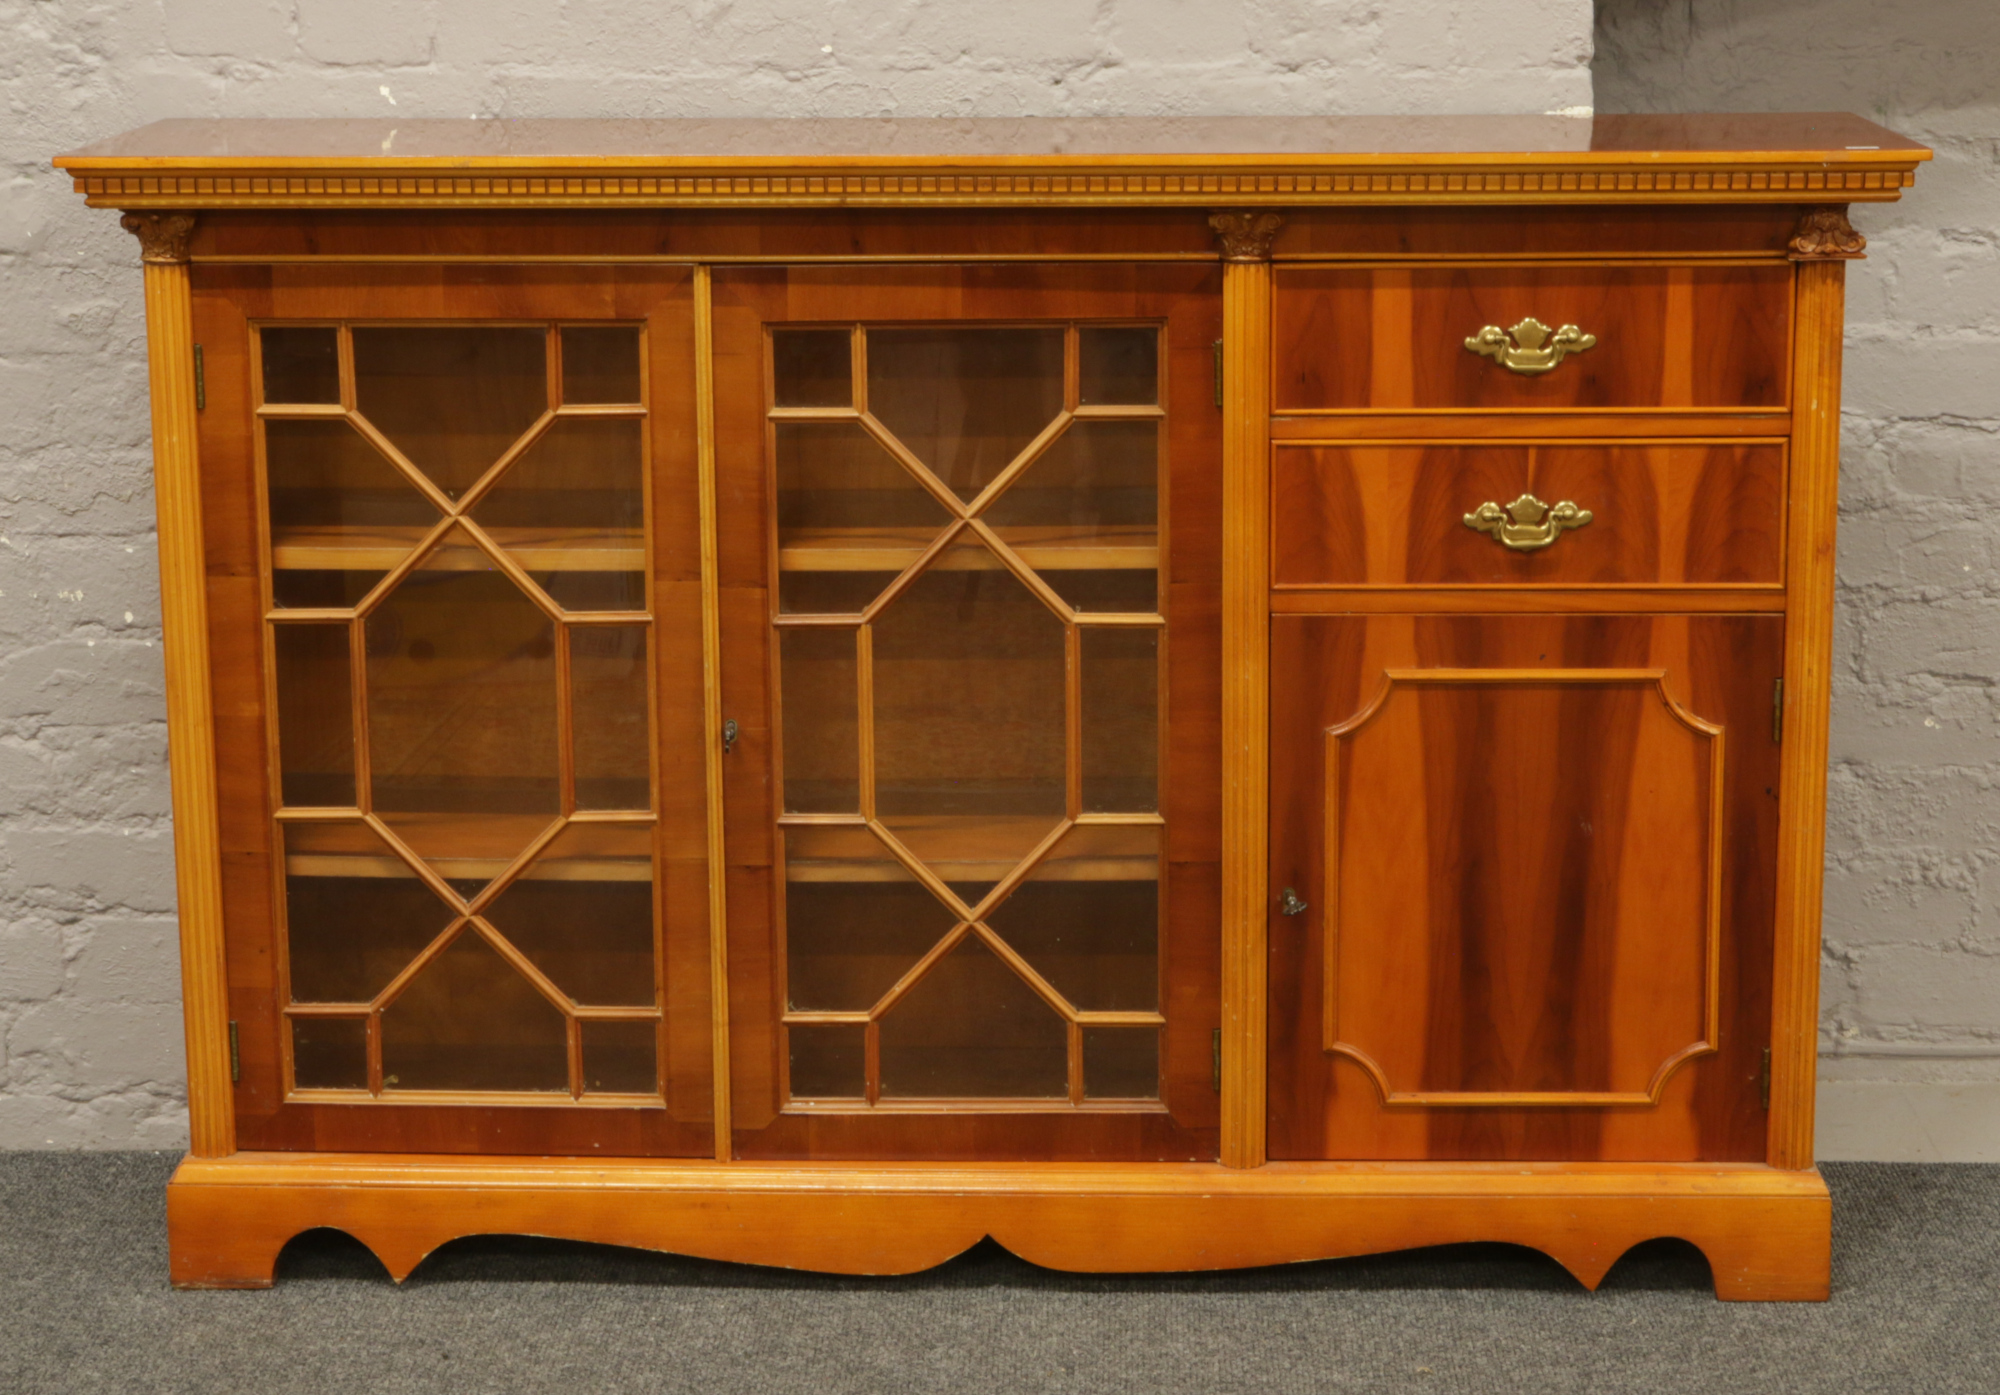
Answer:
(1767, 1233)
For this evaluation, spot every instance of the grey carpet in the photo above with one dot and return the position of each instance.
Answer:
(84, 1306)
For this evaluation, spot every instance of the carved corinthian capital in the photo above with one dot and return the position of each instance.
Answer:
(1246, 237)
(1825, 235)
(163, 237)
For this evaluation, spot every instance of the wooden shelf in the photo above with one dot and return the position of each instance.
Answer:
(365, 549)
(471, 848)
(971, 848)
(1119, 547)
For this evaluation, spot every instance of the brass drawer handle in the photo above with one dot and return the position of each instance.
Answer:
(1530, 347)
(1527, 523)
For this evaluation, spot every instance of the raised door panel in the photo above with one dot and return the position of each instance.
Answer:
(1535, 857)
(457, 632)
(969, 553)
(1529, 513)
(1527, 337)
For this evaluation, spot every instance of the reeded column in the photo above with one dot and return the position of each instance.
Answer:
(163, 241)
(1246, 614)
(1825, 243)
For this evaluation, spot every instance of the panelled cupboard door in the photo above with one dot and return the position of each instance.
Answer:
(454, 619)
(970, 561)
(1536, 859)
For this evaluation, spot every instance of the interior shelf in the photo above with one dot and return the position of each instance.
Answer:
(471, 847)
(971, 848)
(376, 549)
(1094, 547)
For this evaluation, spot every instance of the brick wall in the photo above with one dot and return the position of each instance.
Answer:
(1910, 986)
(90, 1052)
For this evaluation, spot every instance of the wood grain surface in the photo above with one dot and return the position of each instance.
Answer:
(1662, 514)
(1704, 335)
(1538, 856)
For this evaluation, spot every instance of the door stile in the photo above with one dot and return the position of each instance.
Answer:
(711, 702)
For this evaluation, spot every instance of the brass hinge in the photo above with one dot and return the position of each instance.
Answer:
(200, 382)
(1764, 1081)
(1217, 1080)
(1777, 711)
(1218, 372)
(235, 1057)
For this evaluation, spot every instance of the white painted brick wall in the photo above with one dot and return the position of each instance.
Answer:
(1911, 976)
(90, 1050)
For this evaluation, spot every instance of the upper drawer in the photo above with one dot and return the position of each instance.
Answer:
(1393, 338)
(1641, 514)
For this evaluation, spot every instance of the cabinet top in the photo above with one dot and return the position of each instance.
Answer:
(1815, 157)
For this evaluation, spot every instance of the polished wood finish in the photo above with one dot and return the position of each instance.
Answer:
(190, 704)
(924, 163)
(270, 1110)
(1665, 514)
(754, 556)
(1246, 371)
(1700, 336)
(1765, 1232)
(1334, 625)
(1538, 860)
(1814, 503)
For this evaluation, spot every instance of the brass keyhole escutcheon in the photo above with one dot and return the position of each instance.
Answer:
(1527, 524)
(1530, 347)
(1290, 904)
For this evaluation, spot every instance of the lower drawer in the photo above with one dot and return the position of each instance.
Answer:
(1528, 513)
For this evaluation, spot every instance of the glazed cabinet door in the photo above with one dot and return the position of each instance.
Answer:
(1523, 879)
(969, 562)
(454, 615)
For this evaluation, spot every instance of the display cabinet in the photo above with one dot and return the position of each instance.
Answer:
(1179, 695)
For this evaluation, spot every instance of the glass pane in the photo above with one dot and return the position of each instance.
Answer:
(972, 1029)
(571, 511)
(330, 1053)
(582, 913)
(1119, 365)
(315, 714)
(1121, 720)
(965, 401)
(812, 367)
(609, 716)
(969, 673)
(821, 710)
(355, 913)
(829, 1062)
(462, 712)
(1086, 515)
(1088, 918)
(452, 399)
(468, 1021)
(1121, 1063)
(600, 363)
(341, 515)
(301, 364)
(621, 1058)
(855, 920)
(846, 507)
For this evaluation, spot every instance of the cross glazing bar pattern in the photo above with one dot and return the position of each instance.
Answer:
(470, 855)
(971, 864)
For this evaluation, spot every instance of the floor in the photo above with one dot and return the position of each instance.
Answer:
(84, 1306)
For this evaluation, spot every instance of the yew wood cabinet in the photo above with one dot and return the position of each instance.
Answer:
(1176, 694)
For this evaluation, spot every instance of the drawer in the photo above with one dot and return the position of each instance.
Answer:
(1393, 338)
(1682, 514)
